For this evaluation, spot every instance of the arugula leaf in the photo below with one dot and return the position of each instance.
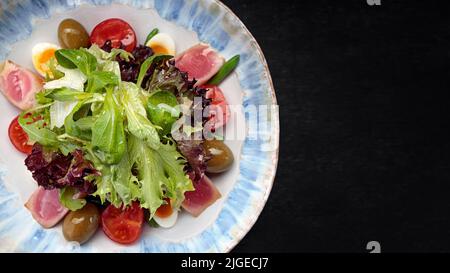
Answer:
(66, 147)
(41, 97)
(100, 79)
(85, 123)
(146, 65)
(74, 124)
(108, 136)
(64, 60)
(137, 122)
(36, 130)
(66, 198)
(71, 126)
(77, 58)
(66, 94)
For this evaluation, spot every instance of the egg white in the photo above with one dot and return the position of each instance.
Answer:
(162, 40)
(167, 222)
(36, 52)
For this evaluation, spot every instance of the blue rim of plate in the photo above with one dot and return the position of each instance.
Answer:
(215, 24)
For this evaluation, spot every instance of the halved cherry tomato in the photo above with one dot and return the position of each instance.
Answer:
(164, 210)
(123, 225)
(117, 31)
(18, 137)
(219, 111)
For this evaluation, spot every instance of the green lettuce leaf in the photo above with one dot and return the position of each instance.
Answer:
(177, 182)
(73, 79)
(117, 184)
(59, 110)
(72, 127)
(37, 130)
(111, 66)
(66, 94)
(160, 174)
(146, 65)
(108, 135)
(102, 55)
(137, 122)
(66, 198)
(151, 176)
(76, 58)
(162, 110)
(99, 80)
(107, 61)
(53, 73)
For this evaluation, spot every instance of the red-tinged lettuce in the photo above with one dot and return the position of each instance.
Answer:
(167, 77)
(195, 155)
(47, 167)
(129, 69)
(77, 172)
(53, 170)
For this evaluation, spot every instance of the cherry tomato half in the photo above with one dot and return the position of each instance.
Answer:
(18, 137)
(123, 225)
(117, 31)
(219, 111)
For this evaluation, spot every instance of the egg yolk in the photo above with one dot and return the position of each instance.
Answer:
(44, 57)
(164, 210)
(158, 49)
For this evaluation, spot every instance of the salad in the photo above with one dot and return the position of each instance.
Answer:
(111, 132)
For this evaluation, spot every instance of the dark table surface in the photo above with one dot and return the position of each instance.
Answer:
(365, 145)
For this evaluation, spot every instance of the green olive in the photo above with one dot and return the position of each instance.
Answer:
(81, 224)
(72, 34)
(221, 157)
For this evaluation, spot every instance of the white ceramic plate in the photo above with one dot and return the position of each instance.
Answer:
(254, 142)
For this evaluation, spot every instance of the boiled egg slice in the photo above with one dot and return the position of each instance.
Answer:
(41, 54)
(162, 43)
(165, 215)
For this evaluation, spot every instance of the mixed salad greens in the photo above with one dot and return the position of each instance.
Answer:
(90, 111)
(100, 133)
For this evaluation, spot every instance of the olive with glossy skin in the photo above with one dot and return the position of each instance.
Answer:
(72, 34)
(221, 157)
(81, 224)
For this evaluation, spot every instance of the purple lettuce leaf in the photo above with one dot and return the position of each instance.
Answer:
(78, 170)
(129, 70)
(52, 169)
(196, 156)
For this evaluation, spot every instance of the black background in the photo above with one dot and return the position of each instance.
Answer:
(364, 144)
